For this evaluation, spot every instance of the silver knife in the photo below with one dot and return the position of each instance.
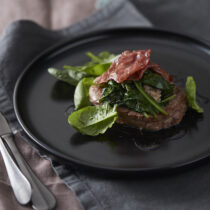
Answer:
(42, 198)
(20, 185)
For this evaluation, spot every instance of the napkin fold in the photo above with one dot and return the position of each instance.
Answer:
(20, 43)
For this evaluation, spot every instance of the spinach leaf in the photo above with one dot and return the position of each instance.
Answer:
(165, 101)
(93, 120)
(95, 67)
(103, 57)
(156, 81)
(68, 76)
(113, 93)
(90, 70)
(127, 94)
(81, 94)
(136, 102)
(190, 89)
(149, 98)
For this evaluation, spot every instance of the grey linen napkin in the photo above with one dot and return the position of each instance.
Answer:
(22, 41)
(66, 199)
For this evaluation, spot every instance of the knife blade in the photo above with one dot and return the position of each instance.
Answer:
(42, 198)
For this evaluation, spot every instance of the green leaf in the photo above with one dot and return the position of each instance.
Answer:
(74, 68)
(97, 66)
(101, 58)
(157, 81)
(127, 95)
(190, 89)
(113, 93)
(165, 101)
(136, 102)
(97, 69)
(68, 76)
(149, 98)
(90, 70)
(81, 94)
(93, 120)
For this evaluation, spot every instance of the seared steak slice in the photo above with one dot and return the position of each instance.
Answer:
(155, 93)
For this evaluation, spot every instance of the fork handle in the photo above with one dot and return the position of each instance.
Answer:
(42, 198)
(20, 185)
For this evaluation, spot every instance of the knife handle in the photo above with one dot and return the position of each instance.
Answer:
(20, 185)
(42, 198)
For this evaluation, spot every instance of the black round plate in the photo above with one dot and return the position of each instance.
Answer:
(42, 104)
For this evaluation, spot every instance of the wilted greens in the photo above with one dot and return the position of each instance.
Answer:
(156, 81)
(133, 96)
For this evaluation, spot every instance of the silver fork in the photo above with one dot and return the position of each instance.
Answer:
(42, 198)
(20, 185)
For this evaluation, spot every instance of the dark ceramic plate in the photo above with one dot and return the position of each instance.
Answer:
(42, 104)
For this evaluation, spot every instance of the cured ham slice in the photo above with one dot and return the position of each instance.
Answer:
(157, 69)
(131, 65)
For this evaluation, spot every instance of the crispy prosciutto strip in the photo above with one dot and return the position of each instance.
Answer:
(131, 65)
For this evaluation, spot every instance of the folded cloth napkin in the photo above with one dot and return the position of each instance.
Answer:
(18, 45)
(42, 167)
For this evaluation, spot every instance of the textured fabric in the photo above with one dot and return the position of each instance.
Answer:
(42, 167)
(51, 14)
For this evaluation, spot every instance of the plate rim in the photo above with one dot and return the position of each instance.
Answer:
(70, 40)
